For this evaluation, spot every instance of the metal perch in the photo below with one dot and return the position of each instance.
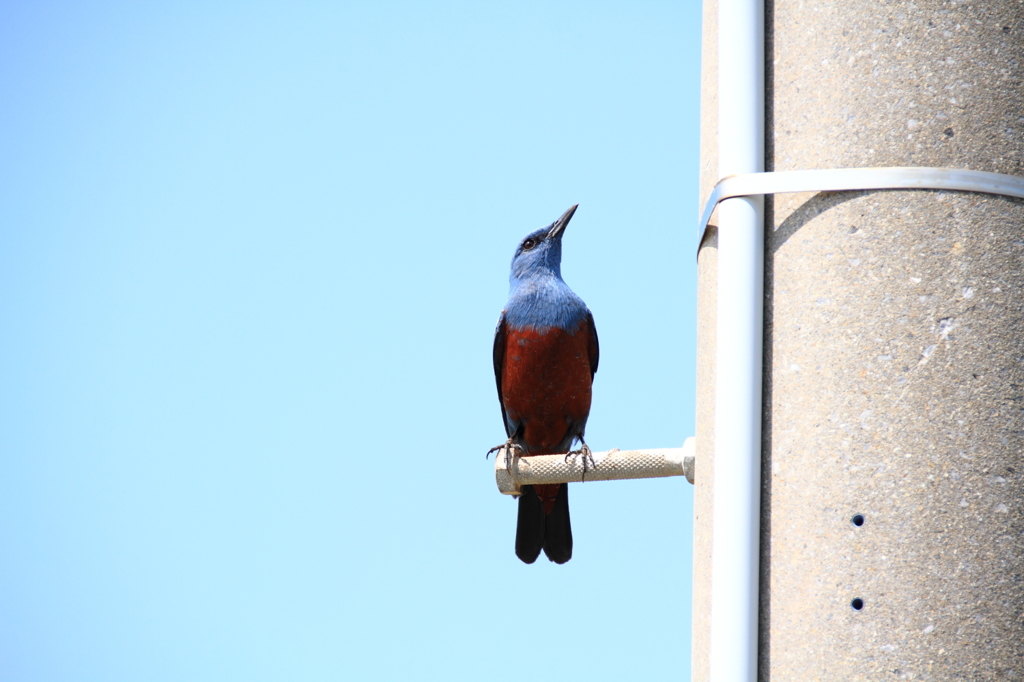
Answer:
(612, 465)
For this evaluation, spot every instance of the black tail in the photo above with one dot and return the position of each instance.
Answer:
(558, 530)
(536, 530)
(530, 526)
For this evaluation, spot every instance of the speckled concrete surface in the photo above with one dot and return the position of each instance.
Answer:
(707, 285)
(894, 348)
(894, 352)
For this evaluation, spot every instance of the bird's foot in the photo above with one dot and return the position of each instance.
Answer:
(512, 453)
(586, 454)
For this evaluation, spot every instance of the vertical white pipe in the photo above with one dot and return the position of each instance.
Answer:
(737, 499)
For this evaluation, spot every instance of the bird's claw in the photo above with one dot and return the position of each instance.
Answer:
(512, 451)
(587, 456)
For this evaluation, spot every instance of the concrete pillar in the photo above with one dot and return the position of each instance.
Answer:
(707, 301)
(894, 349)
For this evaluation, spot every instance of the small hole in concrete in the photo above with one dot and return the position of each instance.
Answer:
(858, 520)
(857, 604)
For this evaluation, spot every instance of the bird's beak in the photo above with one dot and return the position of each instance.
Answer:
(559, 227)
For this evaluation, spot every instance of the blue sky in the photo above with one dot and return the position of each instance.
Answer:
(251, 259)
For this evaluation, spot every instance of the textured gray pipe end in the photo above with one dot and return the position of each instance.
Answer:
(613, 465)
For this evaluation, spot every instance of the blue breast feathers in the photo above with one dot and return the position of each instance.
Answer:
(544, 301)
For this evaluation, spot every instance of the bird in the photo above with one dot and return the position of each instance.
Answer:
(545, 356)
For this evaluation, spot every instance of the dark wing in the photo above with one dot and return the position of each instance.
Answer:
(500, 335)
(594, 348)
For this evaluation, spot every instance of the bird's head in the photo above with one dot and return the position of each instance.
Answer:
(540, 253)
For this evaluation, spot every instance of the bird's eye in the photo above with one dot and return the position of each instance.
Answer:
(529, 244)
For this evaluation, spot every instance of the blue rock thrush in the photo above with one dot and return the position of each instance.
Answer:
(545, 357)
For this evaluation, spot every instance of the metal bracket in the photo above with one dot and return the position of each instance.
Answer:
(850, 179)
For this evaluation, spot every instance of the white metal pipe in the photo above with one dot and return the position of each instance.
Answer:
(737, 501)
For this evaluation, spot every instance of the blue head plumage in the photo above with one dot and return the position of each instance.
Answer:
(539, 298)
(540, 253)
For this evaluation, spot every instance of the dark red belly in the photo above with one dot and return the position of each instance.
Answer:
(546, 386)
